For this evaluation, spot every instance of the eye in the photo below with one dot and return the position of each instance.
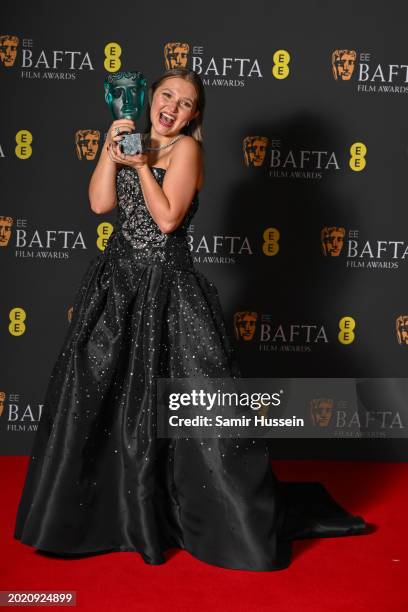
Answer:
(117, 92)
(166, 93)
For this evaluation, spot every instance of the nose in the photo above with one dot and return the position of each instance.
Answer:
(128, 97)
(173, 105)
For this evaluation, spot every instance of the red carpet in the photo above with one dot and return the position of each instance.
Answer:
(347, 574)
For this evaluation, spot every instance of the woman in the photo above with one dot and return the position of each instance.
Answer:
(99, 478)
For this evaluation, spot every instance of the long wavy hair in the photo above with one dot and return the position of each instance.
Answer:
(195, 127)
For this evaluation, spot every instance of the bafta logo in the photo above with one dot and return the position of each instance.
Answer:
(125, 95)
(87, 143)
(402, 329)
(343, 64)
(2, 398)
(5, 230)
(254, 148)
(70, 312)
(245, 324)
(332, 239)
(8, 50)
(176, 55)
(321, 411)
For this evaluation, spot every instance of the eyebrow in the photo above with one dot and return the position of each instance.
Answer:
(172, 91)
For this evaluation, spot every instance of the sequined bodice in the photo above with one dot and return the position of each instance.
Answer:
(137, 230)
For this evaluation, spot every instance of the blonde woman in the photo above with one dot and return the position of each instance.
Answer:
(99, 478)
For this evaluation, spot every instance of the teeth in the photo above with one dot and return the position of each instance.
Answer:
(167, 117)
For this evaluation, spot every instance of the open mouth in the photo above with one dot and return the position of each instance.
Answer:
(166, 120)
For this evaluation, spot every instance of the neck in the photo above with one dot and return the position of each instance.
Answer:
(157, 140)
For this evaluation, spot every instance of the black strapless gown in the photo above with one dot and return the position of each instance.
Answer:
(98, 478)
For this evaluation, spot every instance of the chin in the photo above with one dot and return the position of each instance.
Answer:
(160, 129)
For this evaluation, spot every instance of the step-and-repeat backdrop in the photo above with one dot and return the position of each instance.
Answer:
(303, 218)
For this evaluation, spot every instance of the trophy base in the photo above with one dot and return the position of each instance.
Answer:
(132, 144)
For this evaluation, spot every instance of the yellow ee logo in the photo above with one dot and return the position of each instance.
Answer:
(270, 245)
(281, 59)
(17, 317)
(23, 149)
(104, 230)
(112, 62)
(358, 151)
(346, 334)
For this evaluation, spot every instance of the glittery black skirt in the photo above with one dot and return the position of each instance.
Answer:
(99, 479)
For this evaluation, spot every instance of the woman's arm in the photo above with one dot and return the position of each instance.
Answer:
(102, 186)
(168, 204)
(102, 191)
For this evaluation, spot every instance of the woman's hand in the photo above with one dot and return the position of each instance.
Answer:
(112, 143)
(134, 161)
(118, 129)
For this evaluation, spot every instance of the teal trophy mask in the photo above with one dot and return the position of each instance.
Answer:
(125, 95)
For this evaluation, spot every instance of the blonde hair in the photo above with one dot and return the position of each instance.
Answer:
(195, 126)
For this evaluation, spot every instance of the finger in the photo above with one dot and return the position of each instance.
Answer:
(111, 156)
(115, 133)
(121, 125)
(115, 155)
(119, 153)
(112, 153)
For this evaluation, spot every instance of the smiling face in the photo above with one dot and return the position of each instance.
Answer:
(173, 105)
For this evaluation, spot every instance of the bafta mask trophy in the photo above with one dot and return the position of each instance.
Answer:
(125, 94)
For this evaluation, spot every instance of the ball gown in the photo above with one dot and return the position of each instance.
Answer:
(99, 479)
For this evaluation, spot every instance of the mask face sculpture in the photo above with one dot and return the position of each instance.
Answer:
(125, 96)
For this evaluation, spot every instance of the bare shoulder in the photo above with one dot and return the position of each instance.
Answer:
(187, 146)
